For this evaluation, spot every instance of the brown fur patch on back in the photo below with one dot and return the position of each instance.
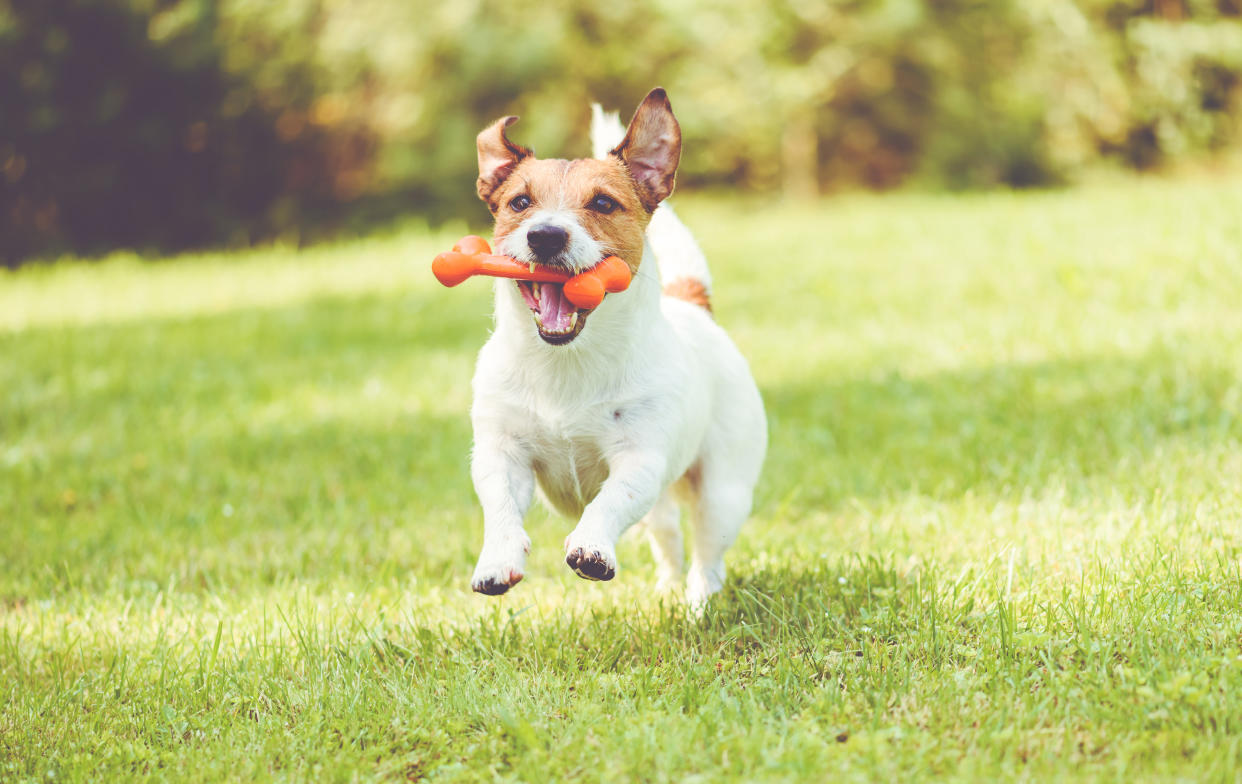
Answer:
(691, 291)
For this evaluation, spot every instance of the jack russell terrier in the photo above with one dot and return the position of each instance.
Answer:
(620, 413)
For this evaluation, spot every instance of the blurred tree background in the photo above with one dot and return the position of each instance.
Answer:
(168, 124)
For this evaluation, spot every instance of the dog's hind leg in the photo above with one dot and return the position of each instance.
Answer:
(663, 525)
(723, 506)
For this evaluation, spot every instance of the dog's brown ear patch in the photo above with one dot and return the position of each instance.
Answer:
(651, 148)
(498, 157)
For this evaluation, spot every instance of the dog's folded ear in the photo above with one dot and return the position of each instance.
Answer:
(498, 157)
(651, 148)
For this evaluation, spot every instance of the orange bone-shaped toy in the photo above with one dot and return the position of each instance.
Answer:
(472, 256)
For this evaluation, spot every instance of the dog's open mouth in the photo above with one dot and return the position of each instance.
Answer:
(556, 318)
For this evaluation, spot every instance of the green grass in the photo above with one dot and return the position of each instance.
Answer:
(998, 534)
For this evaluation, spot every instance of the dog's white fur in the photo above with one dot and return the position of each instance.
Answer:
(650, 406)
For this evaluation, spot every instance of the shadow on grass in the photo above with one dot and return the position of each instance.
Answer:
(806, 610)
(868, 619)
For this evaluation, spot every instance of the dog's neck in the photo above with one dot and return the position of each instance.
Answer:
(622, 326)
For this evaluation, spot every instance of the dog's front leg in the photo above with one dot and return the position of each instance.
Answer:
(635, 479)
(504, 481)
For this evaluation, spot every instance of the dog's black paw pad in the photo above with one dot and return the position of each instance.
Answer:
(590, 566)
(493, 587)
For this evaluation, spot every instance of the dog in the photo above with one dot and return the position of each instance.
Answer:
(622, 413)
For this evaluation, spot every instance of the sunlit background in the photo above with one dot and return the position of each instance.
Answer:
(161, 125)
(984, 260)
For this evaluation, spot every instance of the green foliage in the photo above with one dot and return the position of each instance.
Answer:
(121, 124)
(996, 537)
(172, 123)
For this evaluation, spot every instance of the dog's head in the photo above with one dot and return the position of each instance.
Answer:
(571, 214)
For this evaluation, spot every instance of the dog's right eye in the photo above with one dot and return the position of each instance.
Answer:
(603, 204)
(519, 203)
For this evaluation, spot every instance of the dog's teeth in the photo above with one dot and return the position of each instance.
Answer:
(573, 319)
(532, 267)
(534, 288)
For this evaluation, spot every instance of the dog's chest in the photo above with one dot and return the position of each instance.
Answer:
(569, 459)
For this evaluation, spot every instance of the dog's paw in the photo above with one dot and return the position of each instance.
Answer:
(496, 585)
(592, 562)
(700, 586)
(500, 567)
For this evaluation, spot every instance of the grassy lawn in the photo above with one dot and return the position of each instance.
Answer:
(999, 533)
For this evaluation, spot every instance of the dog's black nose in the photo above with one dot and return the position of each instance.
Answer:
(547, 241)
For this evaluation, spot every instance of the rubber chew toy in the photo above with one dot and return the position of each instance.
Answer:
(472, 256)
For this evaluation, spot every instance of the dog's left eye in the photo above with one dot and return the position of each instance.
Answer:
(603, 204)
(519, 203)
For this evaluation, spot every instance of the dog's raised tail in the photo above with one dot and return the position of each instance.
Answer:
(683, 267)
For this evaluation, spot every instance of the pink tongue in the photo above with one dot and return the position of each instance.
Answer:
(554, 309)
